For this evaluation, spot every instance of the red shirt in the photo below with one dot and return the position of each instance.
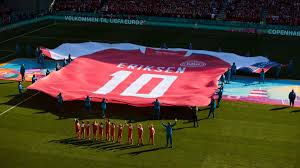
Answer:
(95, 127)
(87, 129)
(77, 127)
(100, 129)
(140, 131)
(130, 128)
(112, 129)
(151, 131)
(120, 132)
(107, 126)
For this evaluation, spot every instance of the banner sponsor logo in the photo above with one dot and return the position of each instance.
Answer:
(193, 64)
(283, 32)
(104, 20)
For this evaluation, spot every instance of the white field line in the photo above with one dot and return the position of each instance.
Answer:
(18, 104)
(24, 34)
(8, 50)
(1, 58)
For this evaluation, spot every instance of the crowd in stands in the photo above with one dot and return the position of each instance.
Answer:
(8, 16)
(4, 14)
(77, 5)
(285, 12)
(205, 9)
(246, 11)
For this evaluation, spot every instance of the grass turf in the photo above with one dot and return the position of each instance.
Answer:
(242, 135)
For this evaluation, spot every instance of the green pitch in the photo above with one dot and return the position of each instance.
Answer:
(241, 135)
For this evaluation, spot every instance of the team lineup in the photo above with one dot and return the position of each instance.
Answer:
(99, 131)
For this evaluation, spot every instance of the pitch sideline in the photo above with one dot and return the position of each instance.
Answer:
(18, 104)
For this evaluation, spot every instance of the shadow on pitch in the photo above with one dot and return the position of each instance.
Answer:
(295, 111)
(75, 109)
(279, 108)
(146, 150)
(93, 144)
(7, 82)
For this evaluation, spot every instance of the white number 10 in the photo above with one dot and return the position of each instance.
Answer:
(132, 90)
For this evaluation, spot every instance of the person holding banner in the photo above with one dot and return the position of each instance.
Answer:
(262, 76)
(64, 62)
(228, 76)
(33, 79)
(60, 105)
(87, 104)
(233, 71)
(169, 132)
(220, 95)
(20, 88)
(292, 97)
(212, 108)
(195, 117)
(47, 72)
(103, 107)
(22, 72)
(69, 59)
(156, 104)
(37, 54)
(57, 67)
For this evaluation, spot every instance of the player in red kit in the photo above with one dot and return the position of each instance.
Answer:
(77, 128)
(107, 130)
(140, 134)
(112, 132)
(82, 130)
(100, 131)
(151, 134)
(120, 133)
(130, 134)
(95, 127)
(87, 130)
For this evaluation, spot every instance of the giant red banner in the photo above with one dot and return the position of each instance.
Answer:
(136, 78)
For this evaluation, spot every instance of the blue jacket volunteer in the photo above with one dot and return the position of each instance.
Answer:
(212, 108)
(169, 132)
(292, 97)
(156, 104)
(103, 107)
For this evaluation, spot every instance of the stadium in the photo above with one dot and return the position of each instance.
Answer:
(150, 83)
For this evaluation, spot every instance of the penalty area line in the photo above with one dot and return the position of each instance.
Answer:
(18, 104)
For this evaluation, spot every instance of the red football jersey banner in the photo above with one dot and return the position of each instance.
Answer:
(135, 78)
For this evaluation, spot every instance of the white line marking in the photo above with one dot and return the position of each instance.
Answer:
(27, 33)
(8, 50)
(18, 104)
(1, 58)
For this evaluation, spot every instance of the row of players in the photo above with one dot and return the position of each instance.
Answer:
(95, 131)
